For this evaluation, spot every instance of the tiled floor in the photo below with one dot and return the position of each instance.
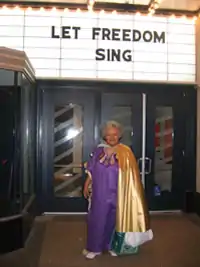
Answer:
(176, 244)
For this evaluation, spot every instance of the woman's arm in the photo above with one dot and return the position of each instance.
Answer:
(88, 182)
(89, 166)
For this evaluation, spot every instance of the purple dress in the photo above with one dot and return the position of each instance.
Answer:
(102, 214)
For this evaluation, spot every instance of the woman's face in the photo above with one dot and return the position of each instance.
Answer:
(112, 136)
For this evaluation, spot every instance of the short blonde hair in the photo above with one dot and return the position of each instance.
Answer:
(113, 124)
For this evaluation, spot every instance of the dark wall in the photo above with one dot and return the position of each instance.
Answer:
(17, 161)
(7, 122)
(28, 168)
(28, 139)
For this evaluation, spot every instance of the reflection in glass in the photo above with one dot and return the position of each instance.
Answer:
(68, 147)
(123, 115)
(163, 149)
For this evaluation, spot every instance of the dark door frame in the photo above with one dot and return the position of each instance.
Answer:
(189, 92)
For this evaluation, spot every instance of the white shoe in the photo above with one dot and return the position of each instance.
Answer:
(112, 253)
(85, 252)
(92, 255)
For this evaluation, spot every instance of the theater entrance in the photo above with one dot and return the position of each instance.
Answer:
(154, 129)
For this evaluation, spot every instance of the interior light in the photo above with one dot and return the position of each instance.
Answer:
(183, 17)
(156, 5)
(138, 14)
(152, 11)
(72, 133)
(194, 18)
(53, 9)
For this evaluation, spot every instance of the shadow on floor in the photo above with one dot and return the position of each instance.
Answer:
(59, 241)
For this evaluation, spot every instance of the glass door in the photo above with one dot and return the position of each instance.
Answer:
(71, 113)
(126, 109)
(164, 149)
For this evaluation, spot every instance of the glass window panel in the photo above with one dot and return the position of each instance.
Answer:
(42, 52)
(43, 13)
(85, 22)
(123, 115)
(178, 21)
(109, 16)
(181, 77)
(19, 48)
(11, 12)
(181, 28)
(68, 150)
(12, 42)
(44, 62)
(10, 31)
(123, 17)
(78, 64)
(37, 32)
(184, 59)
(115, 75)
(41, 42)
(80, 15)
(47, 72)
(149, 19)
(11, 20)
(181, 38)
(78, 73)
(181, 68)
(144, 26)
(181, 49)
(115, 45)
(115, 66)
(163, 150)
(149, 47)
(150, 57)
(116, 24)
(150, 67)
(77, 54)
(141, 76)
(74, 44)
(42, 21)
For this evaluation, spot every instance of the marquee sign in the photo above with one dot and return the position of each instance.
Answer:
(106, 34)
(102, 46)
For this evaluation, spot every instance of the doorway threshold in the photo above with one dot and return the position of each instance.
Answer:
(85, 213)
(152, 212)
(64, 213)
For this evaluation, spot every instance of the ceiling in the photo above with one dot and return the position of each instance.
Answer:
(190, 5)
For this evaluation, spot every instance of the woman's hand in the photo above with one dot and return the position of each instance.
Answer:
(86, 191)
(86, 188)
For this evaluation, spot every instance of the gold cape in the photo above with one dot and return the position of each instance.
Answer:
(132, 213)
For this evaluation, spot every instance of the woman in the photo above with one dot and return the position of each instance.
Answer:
(117, 204)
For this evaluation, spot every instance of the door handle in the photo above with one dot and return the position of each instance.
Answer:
(139, 162)
(147, 164)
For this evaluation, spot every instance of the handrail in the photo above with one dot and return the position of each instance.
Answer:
(11, 218)
(21, 214)
(28, 204)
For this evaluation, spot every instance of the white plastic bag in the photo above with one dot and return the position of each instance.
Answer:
(137, 239)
